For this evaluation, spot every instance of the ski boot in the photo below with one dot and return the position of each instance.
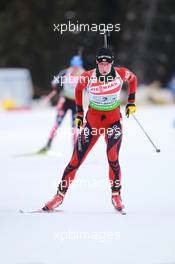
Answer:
(55, 202)
(117, 201)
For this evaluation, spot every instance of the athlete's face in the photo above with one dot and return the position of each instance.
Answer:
(104, 67)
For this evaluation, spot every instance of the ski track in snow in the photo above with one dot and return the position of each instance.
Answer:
(87, 229)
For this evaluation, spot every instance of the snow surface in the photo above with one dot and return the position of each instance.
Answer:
(87, 229)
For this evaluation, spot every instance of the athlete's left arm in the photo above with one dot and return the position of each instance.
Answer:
(130, 77)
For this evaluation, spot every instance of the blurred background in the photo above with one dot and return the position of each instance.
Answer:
(145, 43)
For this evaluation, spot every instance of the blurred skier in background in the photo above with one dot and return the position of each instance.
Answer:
(171, 84)
(65, 83)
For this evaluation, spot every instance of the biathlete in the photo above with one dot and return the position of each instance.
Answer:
(65, 82)
(103, 84)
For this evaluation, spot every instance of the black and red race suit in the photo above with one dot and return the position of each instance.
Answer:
(103, 117)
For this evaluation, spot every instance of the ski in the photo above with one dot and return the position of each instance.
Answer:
(38, 211)
(27, 154)
(30, 212)
(37, 153)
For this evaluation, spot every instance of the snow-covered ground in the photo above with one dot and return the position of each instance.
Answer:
(87, 229)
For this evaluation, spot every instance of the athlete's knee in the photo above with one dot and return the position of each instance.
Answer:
(112, 156)
(74, 163)
(114, 164)
(113, 153)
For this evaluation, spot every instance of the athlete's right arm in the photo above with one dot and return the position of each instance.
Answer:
(81, 85)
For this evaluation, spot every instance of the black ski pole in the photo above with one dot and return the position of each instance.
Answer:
(146, 134)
